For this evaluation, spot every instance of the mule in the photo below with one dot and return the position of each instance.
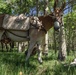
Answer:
(48, 21)
(34, 34)
(36, 31)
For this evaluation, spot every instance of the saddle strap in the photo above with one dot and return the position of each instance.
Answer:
(19, 35)
(39, 28)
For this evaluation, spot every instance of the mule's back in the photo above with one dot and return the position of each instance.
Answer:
(16, 22)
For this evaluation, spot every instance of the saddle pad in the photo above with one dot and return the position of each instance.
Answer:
(11, 22)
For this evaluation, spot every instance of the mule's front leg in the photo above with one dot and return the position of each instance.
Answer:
(39, 54)
(30, 49)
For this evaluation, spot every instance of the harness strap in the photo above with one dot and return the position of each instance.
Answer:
(40, 28)
(18, 35)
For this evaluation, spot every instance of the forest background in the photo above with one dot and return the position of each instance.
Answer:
(36, 8)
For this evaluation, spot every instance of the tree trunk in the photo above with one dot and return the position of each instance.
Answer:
(55, 46)
(62, 44)
(22, 46)
(45, 44)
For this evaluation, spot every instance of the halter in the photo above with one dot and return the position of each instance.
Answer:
(54, 18)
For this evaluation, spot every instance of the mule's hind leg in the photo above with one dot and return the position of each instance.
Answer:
(2, 46)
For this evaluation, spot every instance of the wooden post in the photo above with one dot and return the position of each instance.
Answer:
(62, 44)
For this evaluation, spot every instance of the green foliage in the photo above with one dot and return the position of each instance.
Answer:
(22, 6)
(14, 63)
(70, 28)
(4, 8)
(15, 6)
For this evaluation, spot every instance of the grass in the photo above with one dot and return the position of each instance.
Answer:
(13, 63)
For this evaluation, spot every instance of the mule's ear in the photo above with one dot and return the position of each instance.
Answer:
(55, 4)
(63, 6)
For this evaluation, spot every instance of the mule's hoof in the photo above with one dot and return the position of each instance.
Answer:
(40, 61)
(45, 53)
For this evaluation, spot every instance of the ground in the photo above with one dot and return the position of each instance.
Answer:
(13, 63)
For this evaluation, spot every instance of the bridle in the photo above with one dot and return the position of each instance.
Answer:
(53, 16)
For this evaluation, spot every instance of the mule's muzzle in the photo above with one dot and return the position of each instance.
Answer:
(56, 25)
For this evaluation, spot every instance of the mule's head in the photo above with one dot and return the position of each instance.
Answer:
(58, 13)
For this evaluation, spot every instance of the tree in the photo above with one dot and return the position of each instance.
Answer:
(70, 19)
(5, 7)
(62, 43)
